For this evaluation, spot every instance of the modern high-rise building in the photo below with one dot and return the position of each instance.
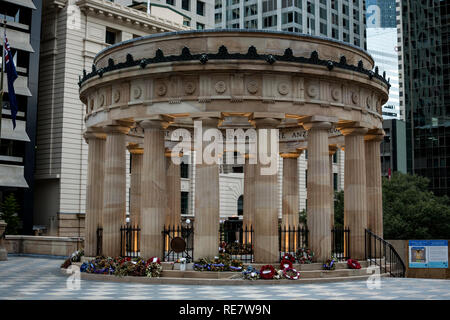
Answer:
(17, 147)
(393, 148)
(424, 63)
(343, 20)
(382, 45)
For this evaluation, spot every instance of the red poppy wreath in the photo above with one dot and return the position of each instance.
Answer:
(285, 264)
(353, 264)
(291, 274)
(267, 272)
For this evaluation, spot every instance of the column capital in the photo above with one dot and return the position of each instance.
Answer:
(266, 123)
(134, 148)
(209, 122)
(332, 148)
(94, 133)
(354, 131)
(155, 124)
(321, 125)
(289, 155)
(375, 135)
(116, 129)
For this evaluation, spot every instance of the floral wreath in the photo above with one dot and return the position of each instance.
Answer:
(291, 274)
(288, 256)
(330, 264)
(267, 272)
(153, 260)
(153, 270)
(304, 255)
(250, 273)
(353, 264)
(285, 264)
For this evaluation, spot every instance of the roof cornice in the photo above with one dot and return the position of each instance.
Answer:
(126, 15)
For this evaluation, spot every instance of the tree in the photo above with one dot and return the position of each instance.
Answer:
(9, 212)
(411, 211)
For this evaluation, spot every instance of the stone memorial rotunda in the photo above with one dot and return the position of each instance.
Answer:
(141, 90)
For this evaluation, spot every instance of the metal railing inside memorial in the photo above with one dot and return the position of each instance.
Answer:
(99, 240)
(340, 243)
(178, 242)
(290, 239)
(238, 242)
(381, 253)
(130, 241)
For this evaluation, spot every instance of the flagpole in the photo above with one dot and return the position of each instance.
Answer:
(3, 71)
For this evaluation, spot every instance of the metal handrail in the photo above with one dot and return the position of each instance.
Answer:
(379, 251)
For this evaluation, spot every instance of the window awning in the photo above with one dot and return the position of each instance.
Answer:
(12, 176)
(20, 85)
(23, 3)
(18, 40)
(19, 133)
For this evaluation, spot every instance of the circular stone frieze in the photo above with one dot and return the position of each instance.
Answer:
(189, 87)
(252, 86)
(101, 100)
(283, 88)
(336, 94)
(312, 91)
(220, 86)
(369, 101)
(137, 91)
(355, 97)
(161, 89)
(116, 95)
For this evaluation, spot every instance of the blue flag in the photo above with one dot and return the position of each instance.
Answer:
(12, 76)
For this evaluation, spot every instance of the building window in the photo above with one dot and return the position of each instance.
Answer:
(184, 202)
(200, 26)
(186, 5)
(240, 206)
(111, 36)
(335, 181)
(171, 2)
(200, 8)
(335, 158)
(184, 170)
(269, 21)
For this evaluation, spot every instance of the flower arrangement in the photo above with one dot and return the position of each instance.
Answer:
(223, 262)
(236, 265)
(267, 272)
(288, 256)
(285, 264)
(291, 274)
(250, 273)
(235, 248)
(121, 267)
(74, 257)
(330, 264)
(353, 264)
(304, 255)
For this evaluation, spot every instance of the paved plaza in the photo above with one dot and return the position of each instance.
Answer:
(27, 277)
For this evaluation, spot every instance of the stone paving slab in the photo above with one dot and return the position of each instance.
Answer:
(37, 278)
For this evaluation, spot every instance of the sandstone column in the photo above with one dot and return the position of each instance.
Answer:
(94, 190)
(153, 184)
(206, 223)
(173, 184)
(318, 188)
(373, 177)
(290, 209)
(332, 150)
(114, 189)
(135, 183)
(355, 200)
(266, 245)
(249, 193)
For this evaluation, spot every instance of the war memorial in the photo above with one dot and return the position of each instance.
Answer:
(164, 95)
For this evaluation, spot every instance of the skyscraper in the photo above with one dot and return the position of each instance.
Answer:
(382, 45)
(425, 88)
(343, 20)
